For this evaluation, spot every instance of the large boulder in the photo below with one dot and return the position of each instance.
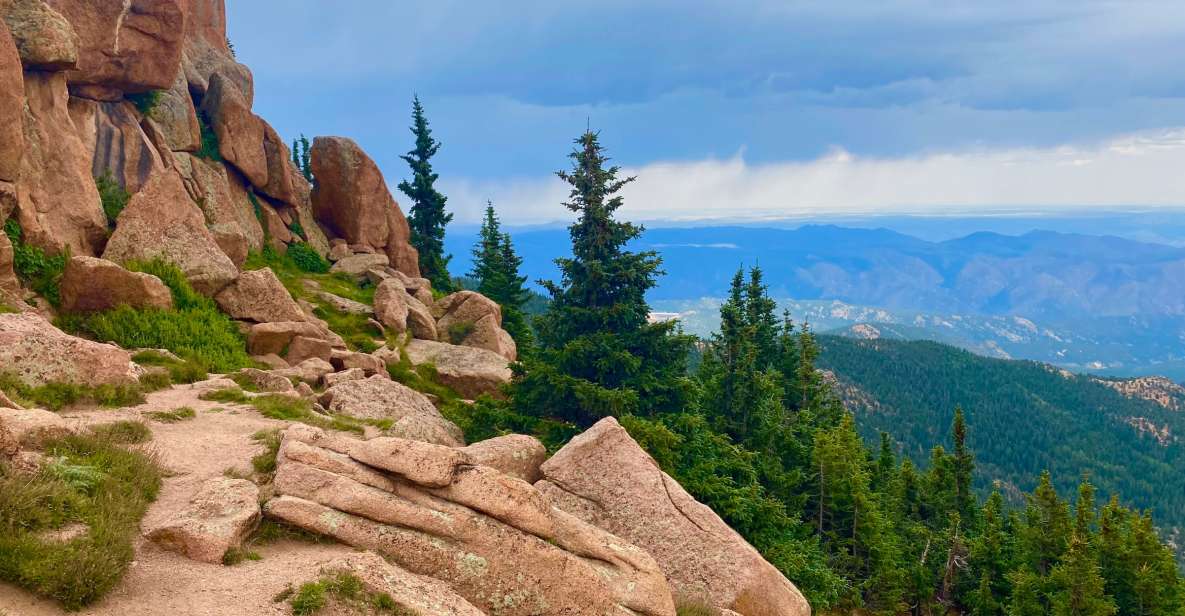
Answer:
(378, 397)
(413, 595)
(90, 285)
(604, 478)
(59, 206)
(471, 319)
(240, 132)
(218, 517)
(10, 286)
(259, 296)
(207, 50)
(111, 133)
(279, 184)
(12, 108)
(351, 198)
(493, 539)
(43, 36)
(161, 221)
(357, 265)
(469, 371)
(265, 338)
(131, 46)
(517, 455)
(36, 352)
(398, 311)
(31, 428)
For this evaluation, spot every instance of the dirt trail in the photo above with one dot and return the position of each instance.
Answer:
(167, 584)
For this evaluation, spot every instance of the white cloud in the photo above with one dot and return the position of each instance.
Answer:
(1138, 170)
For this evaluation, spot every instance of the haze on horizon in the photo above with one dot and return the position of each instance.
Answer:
(864, 108)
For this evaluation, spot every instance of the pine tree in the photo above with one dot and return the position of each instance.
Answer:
(759, 315)
(305, 159)
(989, 560)
(1047, 527)
(964, 469)
(597, 355)
(496, 267)
(427, 217)
(1078, 584)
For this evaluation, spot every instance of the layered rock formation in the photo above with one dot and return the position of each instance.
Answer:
(494, 539)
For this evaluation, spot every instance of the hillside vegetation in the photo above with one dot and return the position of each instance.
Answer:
(1025, 417)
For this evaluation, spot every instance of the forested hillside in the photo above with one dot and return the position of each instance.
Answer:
(1025, 417)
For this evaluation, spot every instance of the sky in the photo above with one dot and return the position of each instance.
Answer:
(745, 109)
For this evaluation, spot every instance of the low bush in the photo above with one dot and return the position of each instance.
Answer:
(145, 102)
(40, 272)
(112, 195)
(184, 370)
(306, 259)
(458, 332)
(265, 462)
(123, 432)
(92, 481)
(209, 148)
(57, 396)
(343, 588)
(173, 416)
(228, 394)
(194, 329)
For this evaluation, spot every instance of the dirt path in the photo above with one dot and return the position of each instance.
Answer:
(166, 584)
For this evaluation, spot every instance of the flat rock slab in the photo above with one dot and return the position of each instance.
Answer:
(222, 513)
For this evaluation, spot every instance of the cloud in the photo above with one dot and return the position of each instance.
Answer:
(1136, 170)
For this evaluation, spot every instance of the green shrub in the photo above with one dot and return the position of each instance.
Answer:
(123, 432)
(228, 394)
(145, 102)
(173, 416)
(93, 481)
(40, 272)
(306, 259)
(298, 230)
(234, 556)
(55, 396)
(183, 370)
(113, 196)
(459, 331)
(195, 328)
(343, 588)
(265, 463)
(209, 147)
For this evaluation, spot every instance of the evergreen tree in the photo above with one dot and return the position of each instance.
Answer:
(964, 468)
(427, 216)
(496, 267)
(759, 315)
(1046, 532)
(597, 354)
(305, 160)
(989, 560)
(1078, 583)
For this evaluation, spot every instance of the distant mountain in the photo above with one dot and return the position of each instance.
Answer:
(1089, 303)
(1024, 417)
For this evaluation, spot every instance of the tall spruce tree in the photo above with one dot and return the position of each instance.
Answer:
(495, 267)
(597, 355)
(427, 216)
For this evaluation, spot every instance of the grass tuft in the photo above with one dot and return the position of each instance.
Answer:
(93, 481)
(37, 270)
(125, 432)
(57, 396)
(112, 195)
(344, 588)
(265, 463)
(173, 416)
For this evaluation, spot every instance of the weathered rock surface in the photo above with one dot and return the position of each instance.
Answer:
(10, 286)
(161, 221)
(43, 36)
(400, 312)
(258, 296)
(342, 304)
(358, 265)
(36, 352)
(222, 195)
(176, 117)
(414, 595)
(265, 338)
(606, 479)
(303, 348)
(517, 455)
(132, 46)
(311, 371)
(378, 397)
(12, 109)
(59, 206)
(206, 51)
(240, 132)
(349, 374)
(118, 146)
(491, 538)
(30, 428)
(468, 370)
(369, 364)
(351, 198)
(91, 284)
(265, 380)
(222, 513)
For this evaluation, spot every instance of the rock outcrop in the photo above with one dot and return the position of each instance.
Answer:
(90, 285)
(12, 111)
(467, 370)
(413, 595)
(493, 539)
(379, 398)
(161, 221)
(36, 352)
(517, 455)
(351, 198)
(258, 296)
(606, 479)
(218, 517)
(469, 318)
(45, 39)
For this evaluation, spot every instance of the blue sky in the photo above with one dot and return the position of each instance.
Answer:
(746, 108)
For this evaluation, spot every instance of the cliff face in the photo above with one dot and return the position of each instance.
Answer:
(149, 93)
